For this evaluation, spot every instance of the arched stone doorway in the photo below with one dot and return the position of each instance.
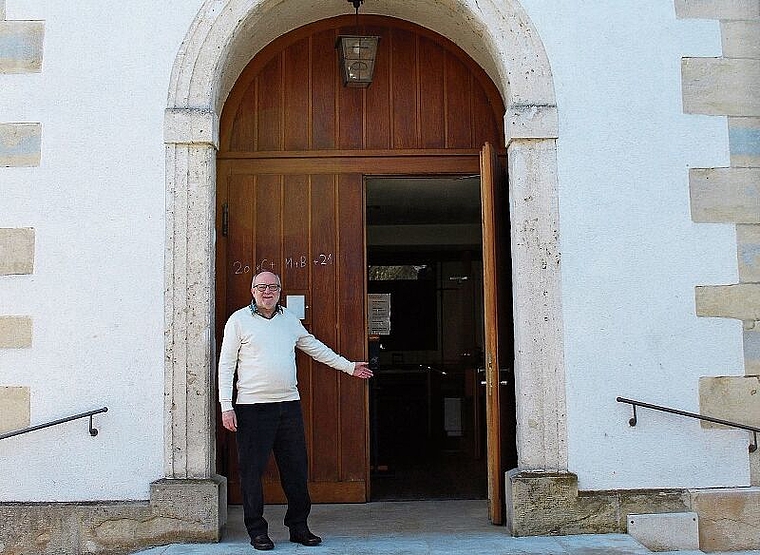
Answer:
(221, 41)
(298, 154)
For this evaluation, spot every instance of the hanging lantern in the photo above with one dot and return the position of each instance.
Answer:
(357, 59)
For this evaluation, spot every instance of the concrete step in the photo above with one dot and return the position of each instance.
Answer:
(665, 531)
(409, 528)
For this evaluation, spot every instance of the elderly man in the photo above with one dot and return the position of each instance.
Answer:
(259, 342)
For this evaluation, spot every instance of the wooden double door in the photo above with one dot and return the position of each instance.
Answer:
(308, 229)
(295, 146)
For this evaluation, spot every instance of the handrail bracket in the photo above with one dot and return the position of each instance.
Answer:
(752, 446)
(633, 420)
(93, 431)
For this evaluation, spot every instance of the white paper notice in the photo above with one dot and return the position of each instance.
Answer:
(297, 305)
(379, 313)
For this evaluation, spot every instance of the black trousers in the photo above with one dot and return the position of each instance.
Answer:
(264, 428)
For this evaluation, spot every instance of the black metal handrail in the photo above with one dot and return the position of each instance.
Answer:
(90, 413)
(752, 446)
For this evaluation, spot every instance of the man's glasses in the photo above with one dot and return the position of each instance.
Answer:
(264, 286)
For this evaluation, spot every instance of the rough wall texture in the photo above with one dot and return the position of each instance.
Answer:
(545, 503)
(550, 504)
(20, 145)
(179, 511)
(21, 47)
(730, 86)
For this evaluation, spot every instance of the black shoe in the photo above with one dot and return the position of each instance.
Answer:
(262, 542)
(304, 537)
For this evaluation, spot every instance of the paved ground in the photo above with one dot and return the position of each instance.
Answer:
(409, 528)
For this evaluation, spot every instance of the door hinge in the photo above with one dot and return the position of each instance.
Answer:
(225, 219)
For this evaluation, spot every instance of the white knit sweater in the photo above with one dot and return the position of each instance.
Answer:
(263, 352)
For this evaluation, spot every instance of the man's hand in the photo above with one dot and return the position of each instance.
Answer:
(361, 370)
(229, 420)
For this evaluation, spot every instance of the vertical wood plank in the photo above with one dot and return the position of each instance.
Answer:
(295, 232)
(404, 89)
(486, 128)
(243, 137)
(377, 111)
(350, 118)
(268, 221)
(350, 110)
(240, 254)
(457, 104)
(296, 271)
(226, 446)
(351, 318)
(267, 233)
(241, 250)
(432, 114)
(269, 103)
(297, 87)
(324, 464)
(222, 251)
(324, 88)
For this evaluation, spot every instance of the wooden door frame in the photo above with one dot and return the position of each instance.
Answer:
(409, 163)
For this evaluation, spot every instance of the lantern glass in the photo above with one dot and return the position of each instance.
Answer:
(357, 59)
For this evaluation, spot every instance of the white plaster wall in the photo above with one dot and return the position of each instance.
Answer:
(97, 204)
(631, 255)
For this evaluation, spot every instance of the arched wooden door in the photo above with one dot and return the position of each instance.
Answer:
(294, 146)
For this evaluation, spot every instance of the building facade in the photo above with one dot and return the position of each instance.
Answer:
(142, 144)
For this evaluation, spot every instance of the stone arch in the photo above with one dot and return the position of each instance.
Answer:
(224, 36)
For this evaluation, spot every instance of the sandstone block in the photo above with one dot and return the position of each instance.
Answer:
(721, 86)
(20, 144)
(546, 503)
(14, 408)
(740, 39)
(729, 195)
(21, 46)
(200, 501)
(748, 252)
(16, 251)
(734, 398)
(751, 339)
(741, 301)
(717, 9)
(15, 332)
(729, 520)
(744, 141)
(650, 501)
(180, 511)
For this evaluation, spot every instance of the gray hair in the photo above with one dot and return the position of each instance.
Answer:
(257, 274)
